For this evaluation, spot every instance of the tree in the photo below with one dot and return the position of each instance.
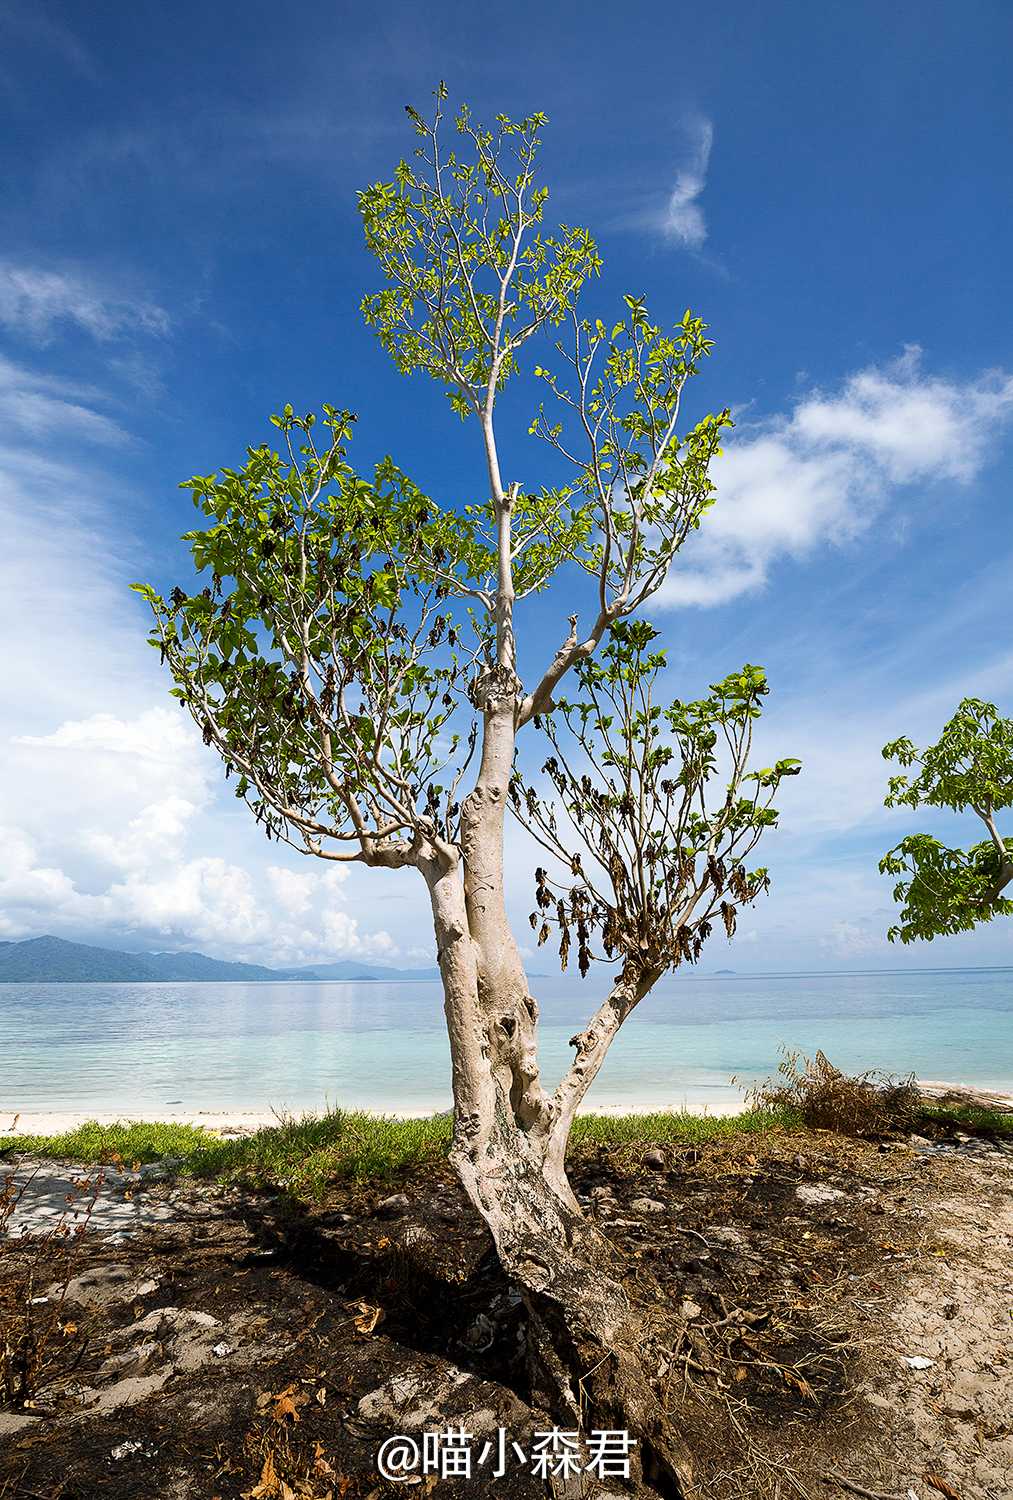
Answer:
(348, 620)
(949, 890)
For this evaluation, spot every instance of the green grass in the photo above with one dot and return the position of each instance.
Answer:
(681, 1127)
(301, 1154)
(138, 1140)
(977, 1119)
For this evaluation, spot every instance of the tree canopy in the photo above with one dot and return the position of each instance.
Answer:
(971, 768)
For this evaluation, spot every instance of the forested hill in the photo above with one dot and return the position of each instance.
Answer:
(51, 960)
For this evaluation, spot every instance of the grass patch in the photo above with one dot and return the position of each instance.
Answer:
(300, 1155)
(988, 1121)
(669, 1126)
(138, 1141)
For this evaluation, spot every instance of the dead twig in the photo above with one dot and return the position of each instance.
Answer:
(735, 1316)
(693, 1235)
(832, 1477)
(781, 1471)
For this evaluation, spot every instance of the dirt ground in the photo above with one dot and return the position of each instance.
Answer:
(848, 1307)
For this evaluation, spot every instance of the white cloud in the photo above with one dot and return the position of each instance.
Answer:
(849, 940)
(683, 220)
(112, 833)
(823, 473)
(103, 847)
(34, 303)
(677, 215)
(42, 407)
(294, 891)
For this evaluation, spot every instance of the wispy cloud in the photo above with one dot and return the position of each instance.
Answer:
(683, 220)
(822, 474)
(34, 303)
(677, 215)
(30, 24)
(41, 406)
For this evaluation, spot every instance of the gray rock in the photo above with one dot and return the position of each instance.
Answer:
(397, 1203)
(130, 1359)
(648, 1206)
(481, 1333)
(428, 1396)
(817, 1192)
(726, 1235)
(101, 1286)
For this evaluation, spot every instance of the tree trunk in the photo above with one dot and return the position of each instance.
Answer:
(591, 1349)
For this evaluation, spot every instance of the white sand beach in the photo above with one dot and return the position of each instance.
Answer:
(244, 1122)
(60, 1121)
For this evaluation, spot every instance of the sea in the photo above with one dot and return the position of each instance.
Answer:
(697, 1042)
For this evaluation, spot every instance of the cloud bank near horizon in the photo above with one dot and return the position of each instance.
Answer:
(105, 852)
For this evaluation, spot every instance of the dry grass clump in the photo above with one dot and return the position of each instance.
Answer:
(824, 1098)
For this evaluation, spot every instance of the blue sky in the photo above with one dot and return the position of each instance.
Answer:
(180, 255)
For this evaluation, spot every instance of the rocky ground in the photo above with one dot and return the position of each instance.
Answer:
(848, 1307)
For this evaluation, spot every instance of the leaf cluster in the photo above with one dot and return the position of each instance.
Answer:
(467, 283)
(945, 890)
(648, 488)
(322, 661)
(653, 864)
(971, 767)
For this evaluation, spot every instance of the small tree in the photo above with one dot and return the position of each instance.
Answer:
(348, 620)
(948, 890)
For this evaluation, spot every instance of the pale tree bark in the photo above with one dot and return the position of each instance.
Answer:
(587, 1341)
(1005, 863)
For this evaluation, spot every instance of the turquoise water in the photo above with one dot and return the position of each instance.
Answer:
(137, 1047)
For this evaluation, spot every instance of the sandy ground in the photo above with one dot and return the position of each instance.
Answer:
(236, 1122)
(869, 1291)
(59, 1121)
(244, 1121)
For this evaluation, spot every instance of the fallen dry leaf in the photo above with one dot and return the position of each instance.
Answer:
(941, 1486)
(268, 1485)
(368, 1317)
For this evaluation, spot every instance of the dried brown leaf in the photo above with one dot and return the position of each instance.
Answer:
(941, 1486)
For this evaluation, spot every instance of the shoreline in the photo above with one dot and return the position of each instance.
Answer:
(225, 1122)
(245, 1121)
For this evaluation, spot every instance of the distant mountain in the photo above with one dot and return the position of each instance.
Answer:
(347, 969)
(51, 960)
(197, 966)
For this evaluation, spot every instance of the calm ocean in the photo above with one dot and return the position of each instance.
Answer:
(138, 1047)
